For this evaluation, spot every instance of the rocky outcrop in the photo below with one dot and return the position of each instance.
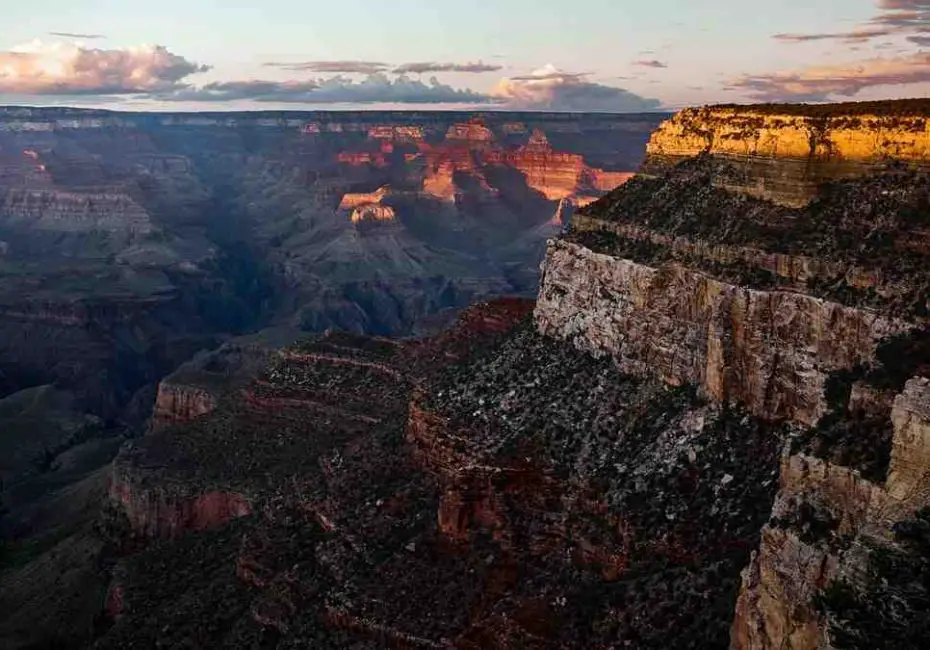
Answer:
(353, 200)
(439, 181)
(708, 274)
(556, 175)
(784, 153)
(823, 516)
(909, 471)
(154, 509)
(372, 212)
(176, 403)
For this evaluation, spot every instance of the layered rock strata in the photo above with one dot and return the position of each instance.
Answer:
(783, 153)
(771, 351)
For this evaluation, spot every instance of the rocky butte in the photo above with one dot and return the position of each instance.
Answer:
(711, 429)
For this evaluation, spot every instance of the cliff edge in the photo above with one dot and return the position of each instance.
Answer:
(785, 152)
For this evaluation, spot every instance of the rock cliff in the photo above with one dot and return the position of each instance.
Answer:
(670, 276)
(784, 152)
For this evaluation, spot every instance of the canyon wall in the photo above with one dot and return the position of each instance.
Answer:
(739, 261)
(771, 351)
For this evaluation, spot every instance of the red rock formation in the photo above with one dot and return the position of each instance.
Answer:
(165, 511)
(554, 175)
(180, 403)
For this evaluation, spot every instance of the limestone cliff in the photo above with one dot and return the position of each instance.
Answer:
(771, 351)
(784, 153)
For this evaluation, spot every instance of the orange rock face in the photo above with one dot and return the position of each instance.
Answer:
(439, 182)
(354, 200)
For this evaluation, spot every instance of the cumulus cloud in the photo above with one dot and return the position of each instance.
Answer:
(344, 67)
(83, 37)
(818, 83)
(432, 66)
(650, 63)
(376, 88)
(70, 69)
(551, 89)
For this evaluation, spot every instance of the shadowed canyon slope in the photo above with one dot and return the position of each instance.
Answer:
(710, 429)
(129, 242)
(133, 240)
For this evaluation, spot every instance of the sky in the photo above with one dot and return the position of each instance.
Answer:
(584, 55)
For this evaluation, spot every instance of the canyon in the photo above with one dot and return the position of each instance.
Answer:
(708, 427)
(131, 243)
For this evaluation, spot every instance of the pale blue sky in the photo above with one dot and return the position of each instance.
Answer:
(704, 44)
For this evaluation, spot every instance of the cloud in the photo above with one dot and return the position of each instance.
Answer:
(419, 68)
(345, 67)
(376, 88)
(374, 67)
(818, 83)
(83, 37)
(69, 69)
(894, 17)
(853, 36)
(650, 63)
(551, 89)
(894, 5)
(550, 73)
